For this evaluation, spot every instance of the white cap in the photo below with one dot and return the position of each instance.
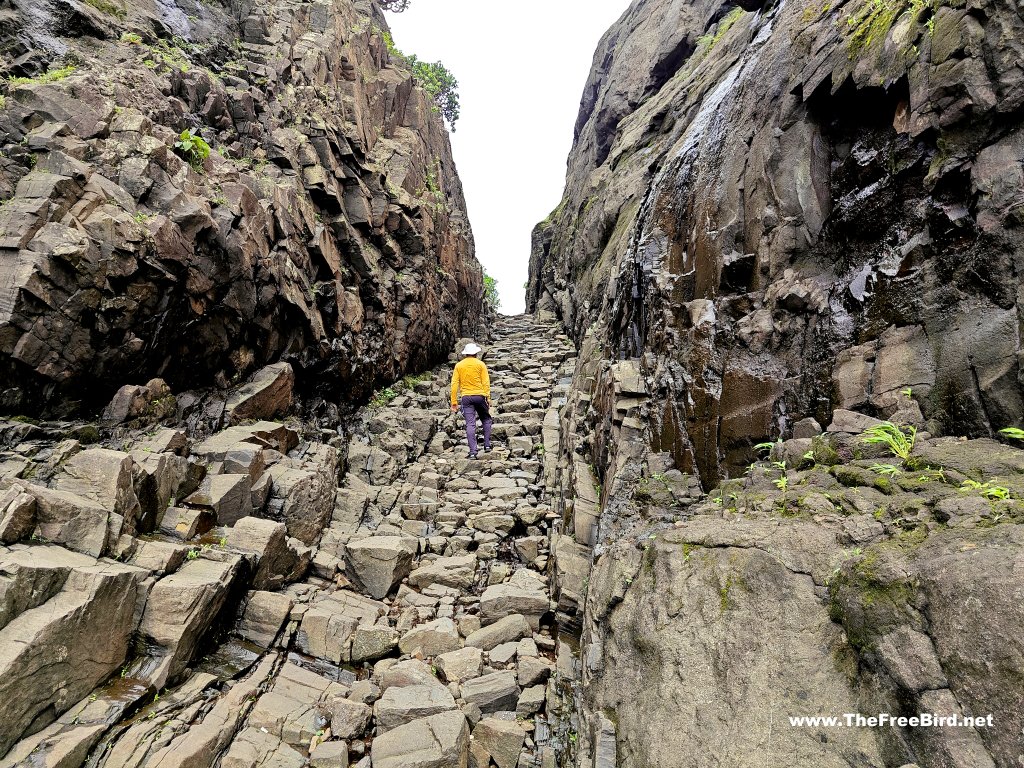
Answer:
(471, 349)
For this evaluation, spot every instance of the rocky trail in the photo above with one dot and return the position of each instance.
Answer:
(270, 618)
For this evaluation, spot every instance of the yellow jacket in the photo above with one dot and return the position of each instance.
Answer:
(470, 376)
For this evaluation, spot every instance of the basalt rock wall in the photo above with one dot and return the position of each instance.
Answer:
(326, 228)
(782, 210)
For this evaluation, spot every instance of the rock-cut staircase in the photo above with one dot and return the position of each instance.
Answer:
(405, 622)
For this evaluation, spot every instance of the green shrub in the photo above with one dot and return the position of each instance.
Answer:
(439, 83)
(434, 78)
(193, 148)
(1012, 432)
(131, 38)
(491, 298)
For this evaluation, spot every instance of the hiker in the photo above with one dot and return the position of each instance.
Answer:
(470, 380)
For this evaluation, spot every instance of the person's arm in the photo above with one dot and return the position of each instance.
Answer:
(455, 388)
(487, 385)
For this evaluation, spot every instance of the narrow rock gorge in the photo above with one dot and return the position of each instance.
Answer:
(789, 253)
(757, 444)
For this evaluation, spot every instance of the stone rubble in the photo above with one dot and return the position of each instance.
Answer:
(404, 623)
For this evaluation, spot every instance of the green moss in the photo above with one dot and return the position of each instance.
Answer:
(710, 40)
(52, 76)
(723, 594)
(873, 21)
(104, 6)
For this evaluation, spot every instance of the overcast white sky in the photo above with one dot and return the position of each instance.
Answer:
(521, 69)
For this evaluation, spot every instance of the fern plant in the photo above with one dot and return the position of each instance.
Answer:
(898, 440)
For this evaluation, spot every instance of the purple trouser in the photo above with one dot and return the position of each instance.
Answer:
(473, 406)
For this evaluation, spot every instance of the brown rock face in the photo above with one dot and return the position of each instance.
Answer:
(788, 209)
(325, 229)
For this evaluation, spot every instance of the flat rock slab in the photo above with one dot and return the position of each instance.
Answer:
(438, 741)
(402, 704)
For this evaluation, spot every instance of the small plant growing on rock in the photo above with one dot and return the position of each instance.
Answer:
(899, 442)
(987, 490)
(193, 148)
(53, 76)
(889, 470)
(103, 6)
(1013, 433)
(383, 397)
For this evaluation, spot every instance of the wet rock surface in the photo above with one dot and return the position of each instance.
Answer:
(782, 210)
(319, 244)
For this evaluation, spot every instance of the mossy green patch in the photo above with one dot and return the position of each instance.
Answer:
(104, 6)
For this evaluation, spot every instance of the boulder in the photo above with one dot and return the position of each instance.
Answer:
(521, 594)
(378, 563)
(17, 515)
(303, 492)
(349, 719)
(531, 701)
(409, 672)
(431, 639)
(438, 741)
(68, 629)
(534, 670)
(329, 754)
(266, 396)
(371, 642)
(105, 477)
(504, 630)
(279, 560)
(264, 615)
(229, 496)
(265, 434)
(403, 704)
(180, 610)
(133, 401)
(461, 665)
(74, 521)
(494, 692)
(330, 622)
(502, 739)
(456, 572)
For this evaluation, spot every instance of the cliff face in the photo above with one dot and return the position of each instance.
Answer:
(781, 224)
(787, 210)
(327, 227)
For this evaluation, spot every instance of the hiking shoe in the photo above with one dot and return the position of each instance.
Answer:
(471, 456)
(487, 449)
